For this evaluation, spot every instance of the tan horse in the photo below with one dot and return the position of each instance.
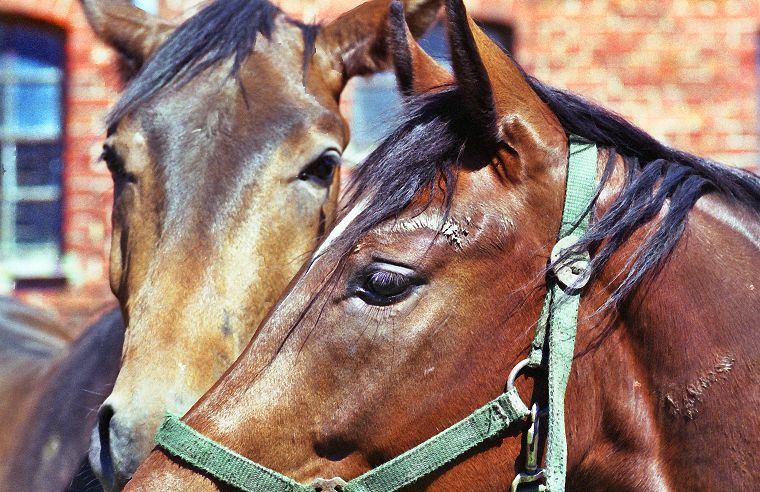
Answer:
(223, 151)
(427, 293)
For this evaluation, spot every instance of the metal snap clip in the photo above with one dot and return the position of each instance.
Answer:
(532, 472)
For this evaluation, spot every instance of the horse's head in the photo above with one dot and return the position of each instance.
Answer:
(417, 305)
(224, 152)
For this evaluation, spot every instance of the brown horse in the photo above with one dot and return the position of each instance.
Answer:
(427, 292)
(223, 151)
(51, 388)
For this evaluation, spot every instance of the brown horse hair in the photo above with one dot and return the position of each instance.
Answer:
(427, 148)
(222, 30)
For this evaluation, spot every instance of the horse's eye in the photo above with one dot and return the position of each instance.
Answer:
(322, 170)
(113, 160)
(381, 287)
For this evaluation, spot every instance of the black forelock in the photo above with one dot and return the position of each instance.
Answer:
(222, 30)
(433, 137)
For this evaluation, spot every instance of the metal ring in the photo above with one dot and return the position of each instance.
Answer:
(516, 372)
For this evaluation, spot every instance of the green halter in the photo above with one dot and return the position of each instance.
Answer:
(559, 316)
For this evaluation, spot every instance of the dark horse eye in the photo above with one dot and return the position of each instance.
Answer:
(322, 170)
(113, 161)
(384, 287)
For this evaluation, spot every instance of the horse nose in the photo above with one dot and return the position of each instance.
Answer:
(102, 450)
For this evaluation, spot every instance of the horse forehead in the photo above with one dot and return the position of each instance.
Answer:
(261, 105)
(265, 97)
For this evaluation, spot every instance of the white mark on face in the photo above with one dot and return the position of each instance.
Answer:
(341, 227)
(455, 231)
(138, 138)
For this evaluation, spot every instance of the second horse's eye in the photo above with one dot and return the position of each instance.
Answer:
(322, 170)
(113, 160)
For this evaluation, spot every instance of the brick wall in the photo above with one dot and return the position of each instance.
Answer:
(685, 70)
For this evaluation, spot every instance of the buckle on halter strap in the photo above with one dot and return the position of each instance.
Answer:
(572, 271)
(335, 484)
(532, 472)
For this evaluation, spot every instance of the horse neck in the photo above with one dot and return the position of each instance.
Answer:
(678, 359)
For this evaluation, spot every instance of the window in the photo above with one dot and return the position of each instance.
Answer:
(31, 113)
(376, 103)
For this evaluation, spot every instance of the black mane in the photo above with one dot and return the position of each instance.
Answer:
(223, 29)
(424, 152)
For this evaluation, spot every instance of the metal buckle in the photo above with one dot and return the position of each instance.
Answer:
(572, 271)
(532, 472)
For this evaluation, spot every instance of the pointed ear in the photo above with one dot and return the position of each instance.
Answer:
(496, 94)
(131, 31)
(416, 71)
(357, 40)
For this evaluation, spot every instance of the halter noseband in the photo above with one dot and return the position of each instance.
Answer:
(559, 317)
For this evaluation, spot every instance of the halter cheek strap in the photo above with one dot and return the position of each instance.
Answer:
(559, 317)
(560, 311)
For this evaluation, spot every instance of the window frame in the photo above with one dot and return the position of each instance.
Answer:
(37, 260)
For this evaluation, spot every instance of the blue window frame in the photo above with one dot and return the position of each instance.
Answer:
(376, 103)
(31, 116)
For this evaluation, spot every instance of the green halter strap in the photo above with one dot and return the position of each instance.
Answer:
(489, 421)
(559, 314)
(486, 424)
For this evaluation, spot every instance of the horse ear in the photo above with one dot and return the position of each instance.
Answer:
(496, 94)
(131, 31)
(357, 40)
(416, 71)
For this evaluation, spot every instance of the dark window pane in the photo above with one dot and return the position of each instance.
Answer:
(36, 47)
(6, 46)
(37, 108)
(38, 222)
(38, 164)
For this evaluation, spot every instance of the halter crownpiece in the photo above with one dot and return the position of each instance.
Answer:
(559, 316)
